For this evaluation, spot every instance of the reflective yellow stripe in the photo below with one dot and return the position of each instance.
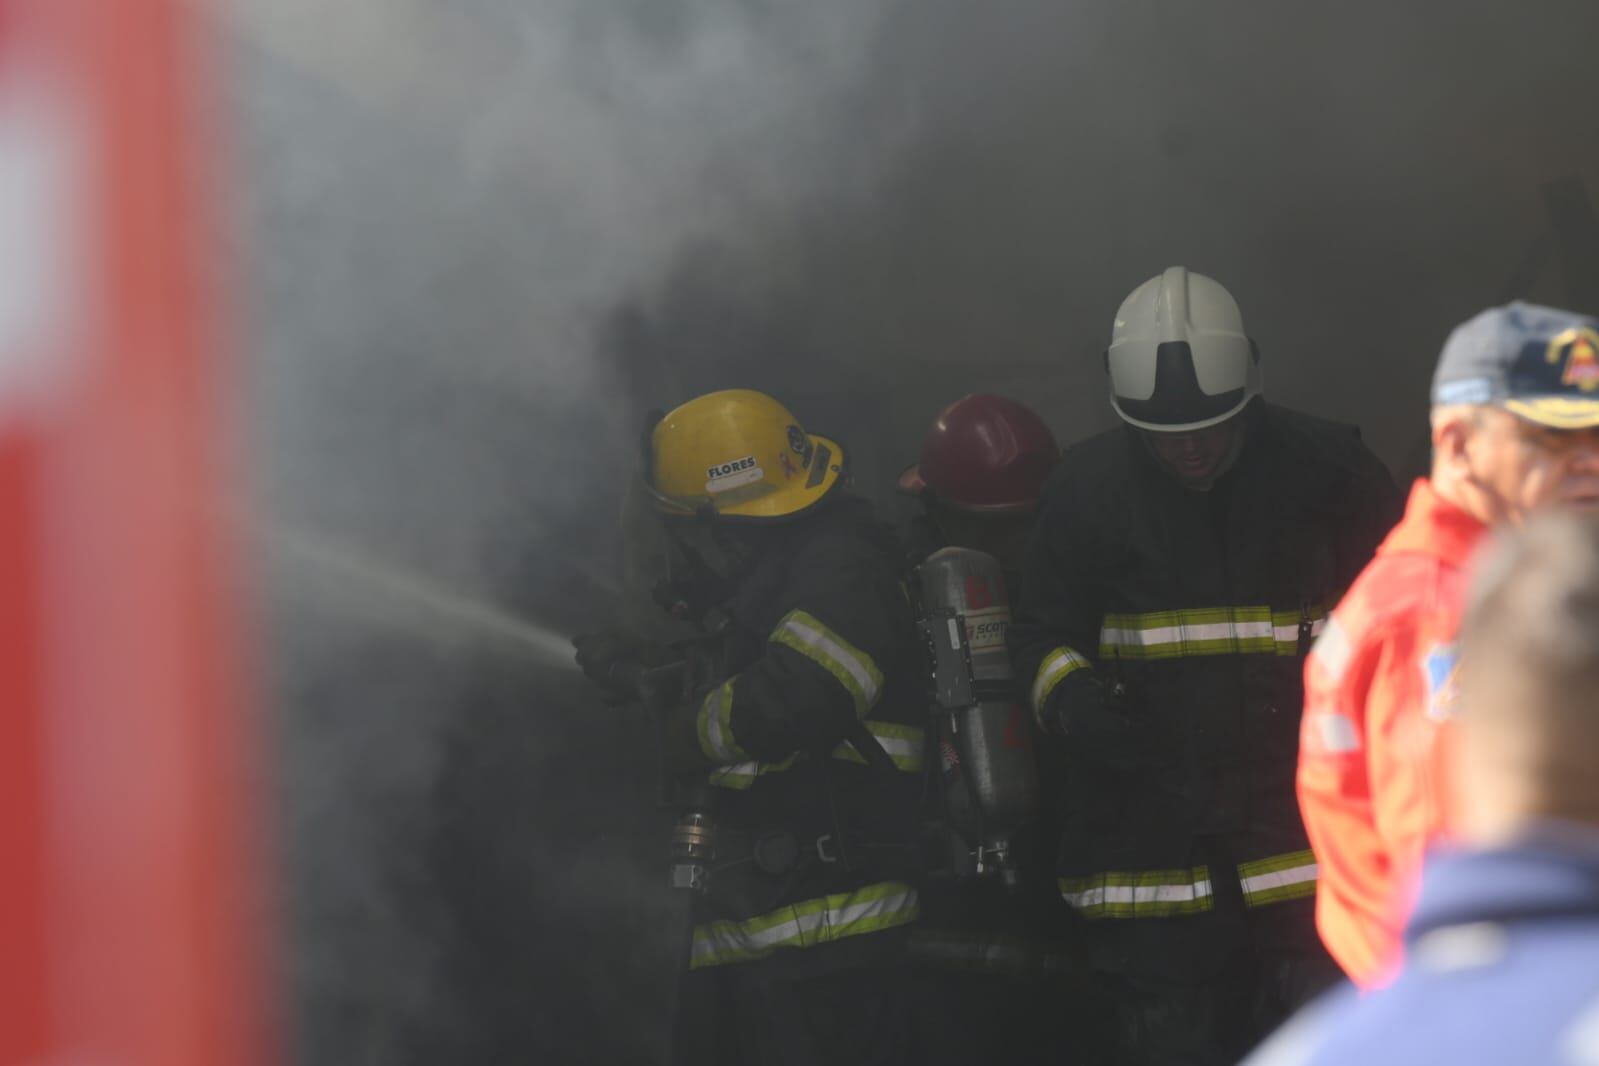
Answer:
(904, 744)
(1279, 878)
(853, 668)
(1146, 894)
(1205, 631)
(715, 726)
(1165, 893)
(806, 924)
(742, 775)
(1055, 668)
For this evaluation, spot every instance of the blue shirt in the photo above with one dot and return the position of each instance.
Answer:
(1502, 967)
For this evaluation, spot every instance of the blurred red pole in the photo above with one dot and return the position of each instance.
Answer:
(131, 887)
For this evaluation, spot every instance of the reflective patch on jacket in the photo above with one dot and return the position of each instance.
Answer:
(1169, 893)
(904, 744)
(1279, 878)
(714, 725)
(1147, 894)
(853, 668)
(805, 924)
(1328, 733)
(1205, 631)
(1332, 651)
(1440, 666)
(1056, 667)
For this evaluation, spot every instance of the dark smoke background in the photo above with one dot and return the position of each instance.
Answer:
(480, 238)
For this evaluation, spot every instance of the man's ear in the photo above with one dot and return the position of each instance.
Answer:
(1450, 434)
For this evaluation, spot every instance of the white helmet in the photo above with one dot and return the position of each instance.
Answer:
(1179, 359)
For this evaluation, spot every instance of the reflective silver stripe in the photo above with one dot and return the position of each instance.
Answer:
(899, 748)
(903, 744)
(1051, 672)
(1289, 634)
(1204, 631)
(742, 775)
(1150, 894)
(854, 669)
(806, 924)
(715, 726)
(1279, 878)
(1136, 894)
(1263, 883)
(1332, 651)
(1147, 638)
(1336, 733)
(738, 775)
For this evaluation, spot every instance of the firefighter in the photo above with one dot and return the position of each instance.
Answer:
(983, 463)
(803, 748)
(1180, 567)
(1515, 429)
(996, 959)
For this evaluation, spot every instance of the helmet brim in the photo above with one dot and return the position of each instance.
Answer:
(911, 483)
(1184, 427)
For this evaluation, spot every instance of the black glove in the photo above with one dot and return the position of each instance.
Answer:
(1095, 727)
(613, 661)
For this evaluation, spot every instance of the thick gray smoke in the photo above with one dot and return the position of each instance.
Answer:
(1361, 175)
(483, 236)
(441, 203)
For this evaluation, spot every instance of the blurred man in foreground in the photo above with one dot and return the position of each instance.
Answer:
(1515, 429)
(1504, 938)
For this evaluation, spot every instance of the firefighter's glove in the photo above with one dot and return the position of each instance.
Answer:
(614, 661)
(1095, 726)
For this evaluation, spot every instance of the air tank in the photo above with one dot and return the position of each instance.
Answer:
(990, 776)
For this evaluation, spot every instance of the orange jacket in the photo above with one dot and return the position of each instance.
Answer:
(1378, 685)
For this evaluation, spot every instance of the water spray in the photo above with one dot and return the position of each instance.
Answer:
(313, 565)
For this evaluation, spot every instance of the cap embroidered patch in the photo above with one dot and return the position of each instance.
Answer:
(1578, 350)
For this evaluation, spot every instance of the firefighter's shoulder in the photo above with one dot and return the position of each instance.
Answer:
(1335, 445)
(847, 567)
(1089, 464)
(847, 535)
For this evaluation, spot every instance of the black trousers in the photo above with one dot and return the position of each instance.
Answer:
(1214, 1022)
(1204, 990)
(984, 1020)
(769, 1014)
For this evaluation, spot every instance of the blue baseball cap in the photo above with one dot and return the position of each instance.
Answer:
(1540, 363)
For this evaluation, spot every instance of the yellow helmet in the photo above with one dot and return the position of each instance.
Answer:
(739, 453)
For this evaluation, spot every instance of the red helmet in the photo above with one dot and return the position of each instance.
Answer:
(986, 454)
